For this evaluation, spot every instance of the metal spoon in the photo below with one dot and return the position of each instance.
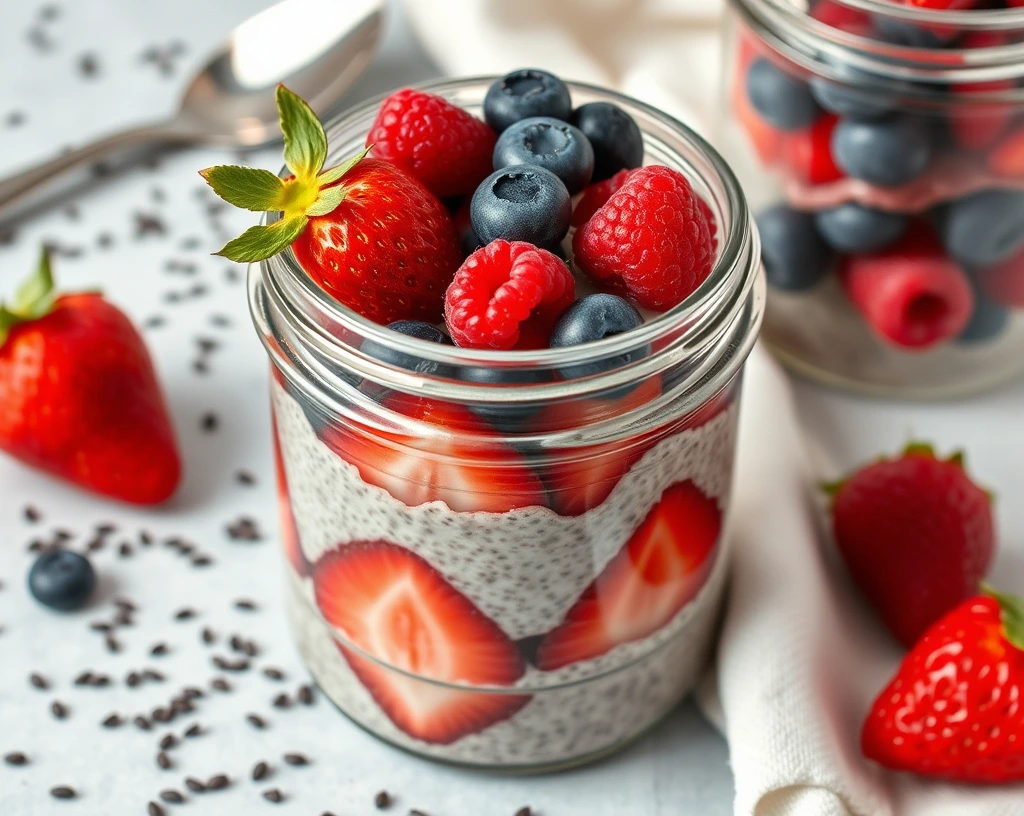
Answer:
(316, 47)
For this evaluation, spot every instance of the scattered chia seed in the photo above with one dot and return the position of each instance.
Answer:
(113, 721)
(245, 605)
(220, 321)
(63, 792)
(15, 119)
(38, 681)
(195, 730)
(145, 538)
(123, 618)
(32, 514)
(224, 664)
(125, 550)
(256, 721)
(296, 760)
(194, 785)
(104, 240)
(167, 742)
(95, 545)
(154, 322)
(306, 695)
(88, 65)
(273, 795)
(415, 812)
(154, 675)
(164, 761)
(113, 644)
(524, 811)
(172, 797)
(200, 367)
(185, 614)
(209, 636)
(133, 679)
(218, 782)
(260, 771)
(282, 701)
(209, 422)
(202, 561)
(148, 224)
(153, 809)
(163, 715)
(142, 723)
(60, 711)
(16, 758)
(190, 242)
(382, 800)
(244, 477)
(273, 673)
(244, 529)
(100, 626)
(220, 684)
(158, 650)
(192, 693)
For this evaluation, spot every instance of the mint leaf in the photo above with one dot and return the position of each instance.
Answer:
(335, 173)
(262, 242)
(328, 201)
(305, 143)
(246, 187)
(35, 296)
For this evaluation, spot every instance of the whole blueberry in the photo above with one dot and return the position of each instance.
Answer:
(903, 32)
(851, 227)
(795, 256)
(856, 93)
(513, 417)
(616, 138)
(61, 579)
(521, 203)
(888, 152)
(985, 228)
(525, 93)
(988, 321)
(782, 100)
(549, 143)
(401, 359)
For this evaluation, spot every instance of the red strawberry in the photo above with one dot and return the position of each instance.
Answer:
(662, 567)
(1007, 157)
(910, 293)
(79, 397)
(975, 127)
(954, 708)
(417, 467)
(444, 146)
(916, 535)
(595, 197)
(839, 16)
(289, 529)
(1005, 283)
(808, 153)
(650, 238)
(508, 295)
(367, 233)
(402, 616)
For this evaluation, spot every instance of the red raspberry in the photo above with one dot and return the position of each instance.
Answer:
(1004, 283)
(911, 293)
(595, 197)
(508, 294)
(808, 153)
(445, 147)
(977, 129)
(649, 239)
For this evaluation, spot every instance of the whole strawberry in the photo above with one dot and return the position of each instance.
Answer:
(954, 708)
(650, 240)
(370, 235)
(442, 145)
(916, 534)
(79, 397)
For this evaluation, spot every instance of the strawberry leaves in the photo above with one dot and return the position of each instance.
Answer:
(33, 300)
(309, 193)
(1011, 614)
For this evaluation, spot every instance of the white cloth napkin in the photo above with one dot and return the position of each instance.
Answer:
(800, 659)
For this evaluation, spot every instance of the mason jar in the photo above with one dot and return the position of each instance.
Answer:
(881, 146)
(514, 559)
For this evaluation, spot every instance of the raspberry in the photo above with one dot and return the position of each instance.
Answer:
(443, 146)
(911, 293)
(808, 153)
(595, 197)
(650, 240)
(507, 295)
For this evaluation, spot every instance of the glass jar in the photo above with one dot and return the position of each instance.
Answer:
(505, 559)
(881, 147)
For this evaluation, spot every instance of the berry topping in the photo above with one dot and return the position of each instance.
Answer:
(616, 138)
(369, 234)
(808, 153)
(525, 93)
(548, 143)
(782, 100)
(401, 359)
(596, 317)
(852, 227)
(61, 579)
(507, 295)
(795, 256)
(986, 228)
(522, 204)
(650, 239)
(595, 197)
(659, 570)
(911, 294)
(399, 617)
(916, 535)
(889, 152)
(445, 147)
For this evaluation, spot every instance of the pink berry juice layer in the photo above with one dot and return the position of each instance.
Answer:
(517, 638)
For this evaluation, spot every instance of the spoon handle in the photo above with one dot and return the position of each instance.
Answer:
(21, 190)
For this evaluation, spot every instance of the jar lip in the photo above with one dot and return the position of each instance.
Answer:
(961, 18)
(727, 268)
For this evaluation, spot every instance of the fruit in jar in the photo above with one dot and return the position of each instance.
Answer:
(440, 144)
(1007, 156)
(524, 93)
(989, 320)
(807, 154)
(614, 135)
(953, 709)
(593, 318)
(984, 229)
(400, 617)
(549, 143)
(781, 99)
(289, 528)
(916, 534)
(794, 255)
(1004, 282)
(522, 203)
(62, 579)
(400, 359)
(852, 227)
(595, 197)
(978, 127)
(659, 570)
(79, 396)
(888, 152)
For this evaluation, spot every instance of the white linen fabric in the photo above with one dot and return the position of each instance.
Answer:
(800, 658)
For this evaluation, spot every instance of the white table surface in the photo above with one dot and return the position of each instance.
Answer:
(681, 768)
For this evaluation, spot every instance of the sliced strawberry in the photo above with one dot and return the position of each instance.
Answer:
(416, 468)
(289, 529)
(808, 153)
(662, 567)
(1007, 157)
(398, 614)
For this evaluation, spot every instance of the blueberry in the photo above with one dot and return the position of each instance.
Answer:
(549, 143)
(782, 100)
(889, 152)
(61, 579)
(902, 32)
(617, 141)
(853, 228)
(857, 94)
(989, 320)
(795, 256)
(521, 204)
(985, 228)
(400, 359)
(525, 93)
(511, 417)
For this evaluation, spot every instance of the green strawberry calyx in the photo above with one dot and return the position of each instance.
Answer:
(33, 300)
(310, 192)
(1011, 614)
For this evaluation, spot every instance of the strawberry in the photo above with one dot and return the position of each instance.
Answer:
(1007, 157)
(976, 127)
(660, 569)
(79, 397)
(368, 234)
(916, 534)
(289, 529)
(911, 293)
(442, 145)
(1004, 282)
(594, 197)
(419, 466)
(808, 153)
(400, 620)
(650, 239)
(953, 710)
